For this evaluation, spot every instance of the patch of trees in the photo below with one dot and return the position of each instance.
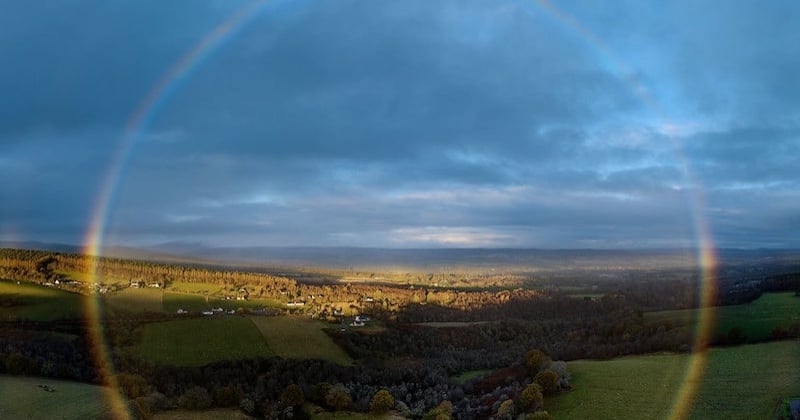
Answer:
(63, 353)
(782, 283)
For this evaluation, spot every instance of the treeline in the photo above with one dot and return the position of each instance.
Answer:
(782, 283)
(16, 263)
(567, 329)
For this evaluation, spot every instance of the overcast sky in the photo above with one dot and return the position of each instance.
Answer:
(404, 123)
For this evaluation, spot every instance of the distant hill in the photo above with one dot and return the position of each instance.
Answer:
(42, 246)
(434, 259)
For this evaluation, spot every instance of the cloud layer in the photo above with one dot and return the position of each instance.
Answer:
(407, 124)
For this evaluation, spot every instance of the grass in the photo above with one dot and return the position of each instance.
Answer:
(300, 338)
(174, 301)
(246, 304)
(78, 275)
(749, 379)
(199, 341)
(22, 398)
(470, 375)
(136, 300)
(757, 319)
(199, 288)
(744, 382)
(41, 303)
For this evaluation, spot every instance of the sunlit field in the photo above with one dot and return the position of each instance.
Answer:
(744, 382)
(300, 338)
(198, 341)
(756, 319)
(198, 288)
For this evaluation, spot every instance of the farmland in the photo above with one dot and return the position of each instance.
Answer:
(36, 302)
(300, 338)
(136, 300)
(195, 342)
(739, 382)
(22, 397)
(189, 302)
(756, 319)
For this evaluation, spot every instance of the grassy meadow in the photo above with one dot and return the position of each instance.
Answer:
(173, 301)
(757, 319)
(300, 338)
(744, 382)
(198, 341)
(136, 300)
(22, 398)
(470, 375)
(197, 288)
(41, 303)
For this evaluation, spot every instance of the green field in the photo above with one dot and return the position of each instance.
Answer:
(136, 300)
(300, 338)
(744, 382)
(31, 301)
(198, 288)
(470, 375)
(246, 304)
(22, 398)
(756, 319)
(171, 302)
(198, 341)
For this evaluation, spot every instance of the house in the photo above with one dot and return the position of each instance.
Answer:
(208, 313)
(357, 324)
(296, 303)
(217, 310)
(153, 285)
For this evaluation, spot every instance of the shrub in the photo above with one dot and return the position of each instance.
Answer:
(382, 402)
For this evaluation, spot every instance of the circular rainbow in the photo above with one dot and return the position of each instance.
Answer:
(170, 82)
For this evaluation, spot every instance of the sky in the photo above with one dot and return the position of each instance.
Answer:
(418, 123)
